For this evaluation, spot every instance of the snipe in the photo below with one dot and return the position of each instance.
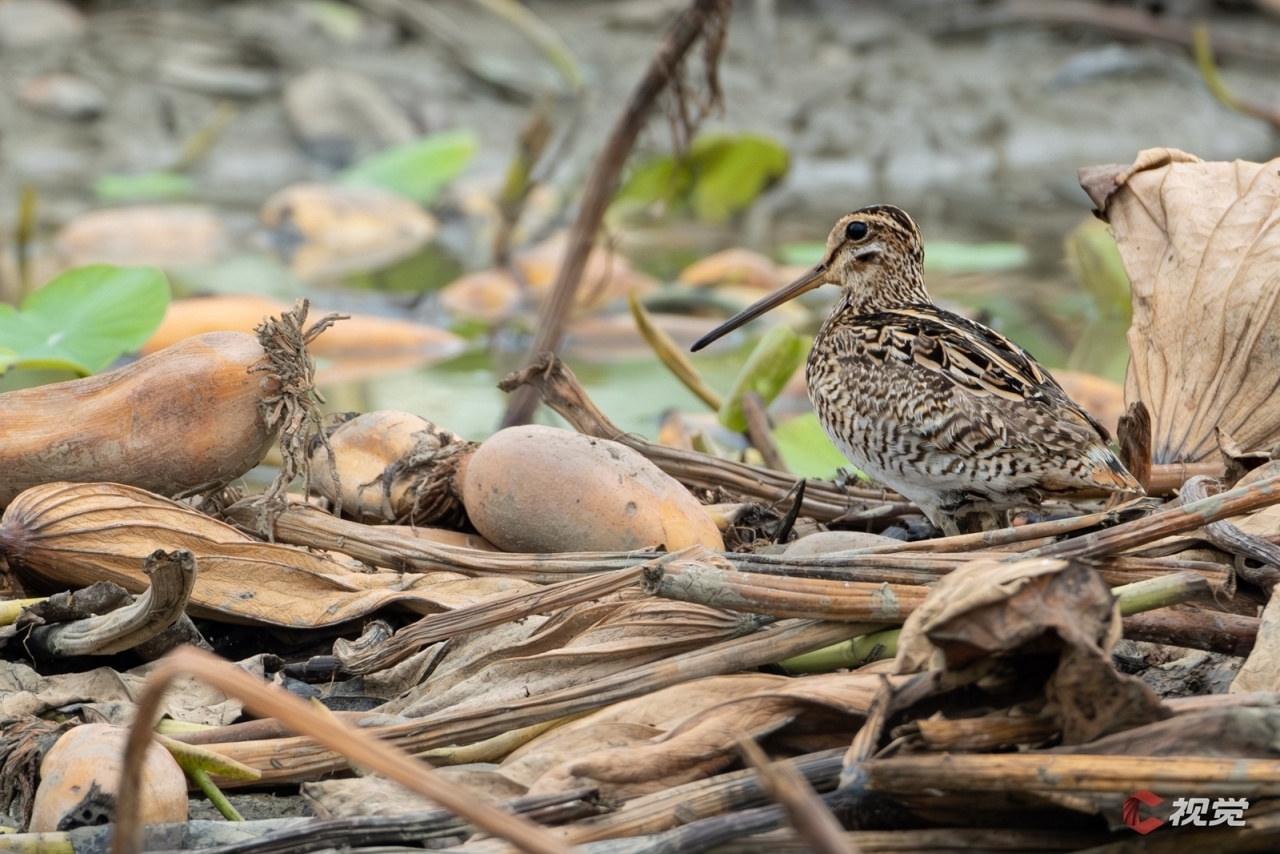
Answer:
(951, 414)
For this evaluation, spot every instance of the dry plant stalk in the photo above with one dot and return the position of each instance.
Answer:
(718, 585)
(1083, 773)
(299, 715)
(310, 527)
(296, 759)
(1168, 521)
(706, 19)
(805, 811)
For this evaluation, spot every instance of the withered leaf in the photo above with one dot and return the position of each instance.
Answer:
(1201, 244)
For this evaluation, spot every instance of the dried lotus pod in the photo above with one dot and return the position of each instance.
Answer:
(1201, 245)
(391, 467)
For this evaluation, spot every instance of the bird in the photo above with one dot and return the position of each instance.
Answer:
(943, 410)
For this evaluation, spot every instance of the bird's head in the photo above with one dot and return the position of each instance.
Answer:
(875, 255)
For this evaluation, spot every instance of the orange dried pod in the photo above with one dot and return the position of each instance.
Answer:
(80, 775)
(176, 422)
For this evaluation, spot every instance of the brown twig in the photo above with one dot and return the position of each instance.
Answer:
(1232, 540)
(700, 19)
(1174, 520)
(758, 431)
(1209, 73)
(805, 810)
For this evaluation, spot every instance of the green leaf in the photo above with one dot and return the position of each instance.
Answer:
(940, 256)
(146, 187)
(806, 449)
(418, 170)
(768, 368)
(8, 359)
(85, 318)
(721, 175)
(730, 171)
(946, 256)
(657, 179)
(804, 253)
(1094, 260)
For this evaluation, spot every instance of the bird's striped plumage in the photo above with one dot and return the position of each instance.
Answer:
(945, 411)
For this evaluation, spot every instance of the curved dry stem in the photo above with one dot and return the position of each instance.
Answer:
(173, 577)
(294, 713)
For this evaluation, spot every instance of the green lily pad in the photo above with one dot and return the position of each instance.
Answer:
(731, 171)
(940, 256)
(948, 256)
(150, 186)
(8, 359)
(806, 449)
(418, 170)
(721, 175)
(85, 318)
(802, 253)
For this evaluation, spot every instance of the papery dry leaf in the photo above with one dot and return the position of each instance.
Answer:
(1201, 244)
(565, 743)
(620, 634)
(374, 795)
(700, 744)
(990, 608)
(104, 695)
(73, 534)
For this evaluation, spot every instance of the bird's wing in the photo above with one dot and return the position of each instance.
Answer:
(989, 389)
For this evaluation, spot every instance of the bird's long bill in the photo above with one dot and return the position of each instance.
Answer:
(810, 280)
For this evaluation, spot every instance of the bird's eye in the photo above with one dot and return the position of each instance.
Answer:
(855, 230)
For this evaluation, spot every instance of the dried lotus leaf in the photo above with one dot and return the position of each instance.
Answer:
(1201, 245)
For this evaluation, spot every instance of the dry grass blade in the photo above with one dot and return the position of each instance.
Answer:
(300, 758)
(806, 812)
(485, 615)
(296, 713)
